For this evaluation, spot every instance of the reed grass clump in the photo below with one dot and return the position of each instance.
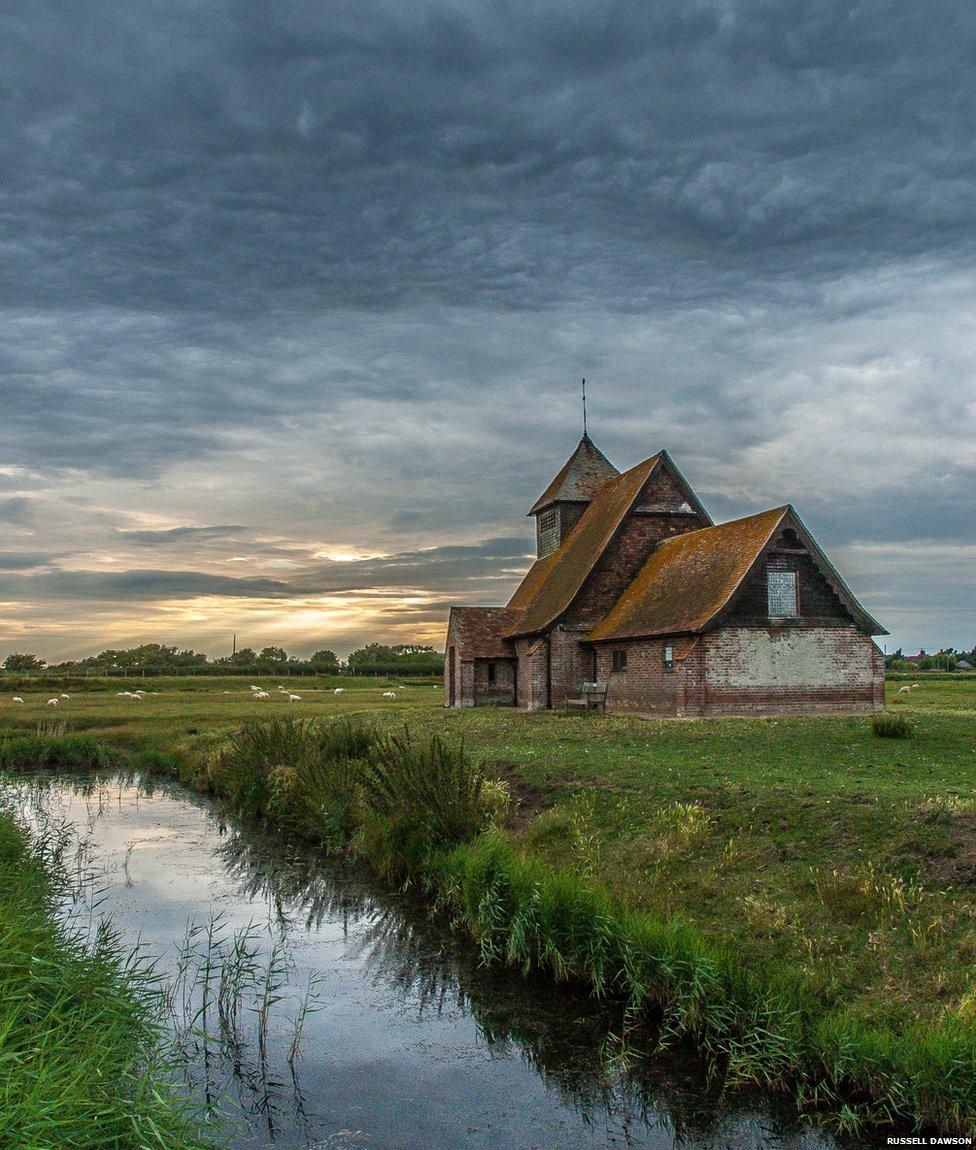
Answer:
(57, 752)
(420, 797)
(886, 726)
(83, 1060)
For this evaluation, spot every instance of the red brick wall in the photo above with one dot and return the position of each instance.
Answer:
(791, 670)
(654, 518)
(645, 687)
(571, 665)
(531, 688)
(750, 671)
(501, 693)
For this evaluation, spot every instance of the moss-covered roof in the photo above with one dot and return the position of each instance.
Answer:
(478, 632)
(689, 579)
(580, 477)
(551, 584)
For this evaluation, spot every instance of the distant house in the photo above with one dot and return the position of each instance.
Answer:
(635, 587)
(963, 665)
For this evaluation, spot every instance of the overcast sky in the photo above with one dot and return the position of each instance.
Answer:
(296, 298)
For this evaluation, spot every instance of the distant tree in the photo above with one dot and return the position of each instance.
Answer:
(244, 657)
(400, 659)
(273, 655)
(18, 662)
(325, 662)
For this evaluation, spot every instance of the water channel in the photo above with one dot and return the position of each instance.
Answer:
(340, 1017)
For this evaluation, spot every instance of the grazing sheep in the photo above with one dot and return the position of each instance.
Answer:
(389, 694)
(261, 695)
(52, 702)
(904, 690)
(65, 696)
(914, 685)
(253, 688)
(16, 699)
(338, 690)
(121, 694)
(294, 698)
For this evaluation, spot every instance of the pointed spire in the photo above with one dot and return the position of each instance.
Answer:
(586, 470)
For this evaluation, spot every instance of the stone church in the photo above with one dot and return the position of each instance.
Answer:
(639, 595)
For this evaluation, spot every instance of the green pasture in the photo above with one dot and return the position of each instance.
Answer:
(807, 848)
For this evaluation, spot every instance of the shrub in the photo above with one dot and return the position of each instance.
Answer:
(68, 753)
(300, 771)
(418, 798)
(891, 727)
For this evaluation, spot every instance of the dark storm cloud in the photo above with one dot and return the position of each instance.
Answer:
(15, 509)
(24, 560)
(182, 535)
(170, 157)
(457, 569)
(327, 271)
(139, 585)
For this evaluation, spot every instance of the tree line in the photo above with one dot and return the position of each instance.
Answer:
(944, 660)
(158, 659)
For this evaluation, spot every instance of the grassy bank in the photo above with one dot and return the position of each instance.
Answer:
(80, 1045)
(798, 894)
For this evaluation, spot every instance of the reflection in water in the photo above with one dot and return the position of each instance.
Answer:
(316, 1009)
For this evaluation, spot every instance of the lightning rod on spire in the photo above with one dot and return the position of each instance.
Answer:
(584, 408)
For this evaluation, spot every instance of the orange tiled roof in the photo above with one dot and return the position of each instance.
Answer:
(586, 470)
(551, 584)
(690, 578)
(479, 631)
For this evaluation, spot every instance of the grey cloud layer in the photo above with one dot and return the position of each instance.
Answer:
(327, 275)
(459, 569)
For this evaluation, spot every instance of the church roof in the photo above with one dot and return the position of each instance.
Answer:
(581, 475)
(690, 579)
(479, 631)
(551, 584)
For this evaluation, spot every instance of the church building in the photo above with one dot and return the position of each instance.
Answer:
(636, 593)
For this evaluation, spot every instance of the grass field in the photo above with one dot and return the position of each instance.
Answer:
(81, 1045)
(807, 848)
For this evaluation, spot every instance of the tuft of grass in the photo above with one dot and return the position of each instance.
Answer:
(419, 797)
(45, 752)
(83, 1060)
(885, 726)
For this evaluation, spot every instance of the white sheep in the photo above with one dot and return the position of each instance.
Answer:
(253, 688)
(914, 685)
(294, 698)
(52, 702)
(261, 695)
(16, 699)
(389, 694)
(338, 690)
(65, 696)
(121, 694)
(904, 690)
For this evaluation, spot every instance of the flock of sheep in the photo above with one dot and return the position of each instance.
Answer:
(256, 693)
(260, 693)
(906, 690)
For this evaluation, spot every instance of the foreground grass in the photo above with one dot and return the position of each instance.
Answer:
(796, 893)
(80, 1044)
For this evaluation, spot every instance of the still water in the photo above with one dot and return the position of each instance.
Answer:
(317, 1010)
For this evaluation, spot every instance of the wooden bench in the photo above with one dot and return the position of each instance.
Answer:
(594, 698)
